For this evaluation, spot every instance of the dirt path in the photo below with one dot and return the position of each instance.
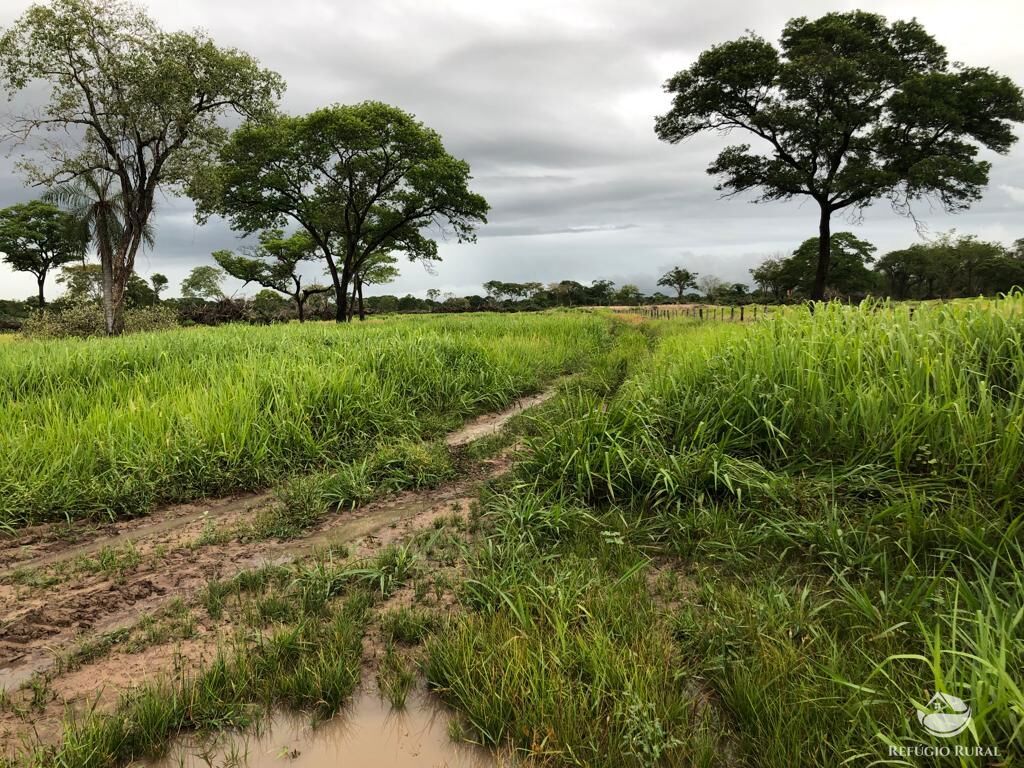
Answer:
(56, 593)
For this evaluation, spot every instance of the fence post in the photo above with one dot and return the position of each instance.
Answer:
(741, 313)
(701, 310)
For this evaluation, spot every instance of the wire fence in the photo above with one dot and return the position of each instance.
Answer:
(729, 313)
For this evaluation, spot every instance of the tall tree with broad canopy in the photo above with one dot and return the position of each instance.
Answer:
(274, 263)
(358, 178)
(35, 237)
(127, 99)
(679, 279)
(850, 109)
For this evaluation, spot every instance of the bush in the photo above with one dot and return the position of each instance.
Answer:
(83, 320)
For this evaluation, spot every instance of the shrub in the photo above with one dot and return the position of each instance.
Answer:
(85, 319)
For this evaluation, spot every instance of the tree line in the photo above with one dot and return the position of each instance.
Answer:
(847, 109)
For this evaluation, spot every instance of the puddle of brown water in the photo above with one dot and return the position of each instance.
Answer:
(366, 734)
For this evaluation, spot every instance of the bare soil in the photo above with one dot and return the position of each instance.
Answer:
(54, 599)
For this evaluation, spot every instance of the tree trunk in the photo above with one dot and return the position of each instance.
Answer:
(108, 292)
(300, 305)
(116, 308)
(362, 311)
(352, 303)
(40, 281)
(341, 313)
(824, 253)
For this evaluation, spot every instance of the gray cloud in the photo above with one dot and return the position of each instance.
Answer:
(552, 104)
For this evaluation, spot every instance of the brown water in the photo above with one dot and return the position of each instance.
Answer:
(366, 734)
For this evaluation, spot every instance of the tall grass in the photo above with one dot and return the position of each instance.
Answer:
(837, 501)
(865, 398)
(115, 426)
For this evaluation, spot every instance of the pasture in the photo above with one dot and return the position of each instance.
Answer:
(764, 544)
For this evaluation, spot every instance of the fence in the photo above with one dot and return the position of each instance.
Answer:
(731, 313)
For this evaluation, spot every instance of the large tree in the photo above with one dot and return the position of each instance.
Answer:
(679, 279)
(35, 237)
(359, 179)
(849, 109)
(127, 99)
(274, 264)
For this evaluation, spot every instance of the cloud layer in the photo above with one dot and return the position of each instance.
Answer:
(552, 104)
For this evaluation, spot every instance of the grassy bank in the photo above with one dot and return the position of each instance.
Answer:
(769, 547)
(112, 427)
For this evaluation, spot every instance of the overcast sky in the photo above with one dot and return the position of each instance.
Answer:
(553, 104)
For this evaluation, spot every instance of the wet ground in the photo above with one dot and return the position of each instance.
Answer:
(367, 734)
(63, 588)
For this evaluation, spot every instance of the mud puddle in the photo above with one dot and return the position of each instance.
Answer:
(368, 733)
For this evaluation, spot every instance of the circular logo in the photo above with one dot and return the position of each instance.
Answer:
(945, 715)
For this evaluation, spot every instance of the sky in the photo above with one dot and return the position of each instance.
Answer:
(553, 106)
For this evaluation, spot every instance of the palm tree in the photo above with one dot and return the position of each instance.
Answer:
(98, 205)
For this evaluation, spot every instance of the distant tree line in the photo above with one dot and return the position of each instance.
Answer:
(950, 266)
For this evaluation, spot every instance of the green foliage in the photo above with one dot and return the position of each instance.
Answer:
(144, 102)
(389, 169)
(274, 264)
(848, 269)
(203, 282)
(82, 320)
(679, 279)
(36, 237)
(951, 266)
(850, 109)
(204, 411)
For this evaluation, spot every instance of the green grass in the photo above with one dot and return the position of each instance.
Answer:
(814, 523)
(306, 656)
(114, 426)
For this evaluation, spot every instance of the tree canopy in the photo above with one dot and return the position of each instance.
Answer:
(127, 99)
(850, 108)
(203, 282)
(679, 280)
(359, 179)
(36, 236)
(274, 264)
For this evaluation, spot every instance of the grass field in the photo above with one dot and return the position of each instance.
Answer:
(112, 427)
(765, 549)
(744, 545)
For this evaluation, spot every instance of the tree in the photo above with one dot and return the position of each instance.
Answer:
(82, 282)
(275, 264)
(203, 282)
(628, 294)
(98, 205)
(679, 279)
(848, 270)
(711, 286)
(950, 265)
(139, 103)
(35, 237)
(600, 292)
(433, 294)
(851, 109)
(770, 276)
(359, 179)
(159, 283)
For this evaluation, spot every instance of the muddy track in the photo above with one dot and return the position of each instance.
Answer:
(39, 621)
